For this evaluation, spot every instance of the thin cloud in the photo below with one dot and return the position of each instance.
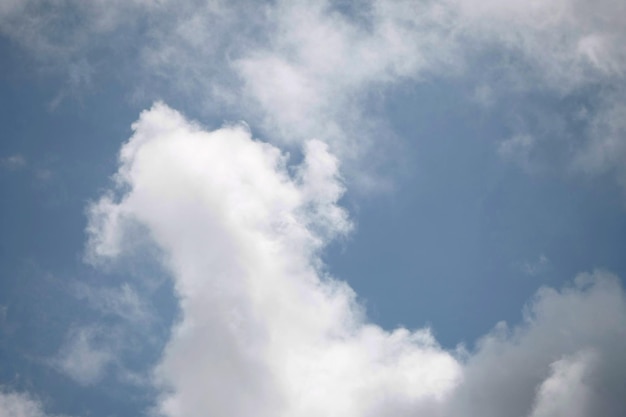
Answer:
(84, 357)
(123, 302)
(13, 162)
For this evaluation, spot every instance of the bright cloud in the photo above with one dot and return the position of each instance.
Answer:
(265, 330)
(260, 320)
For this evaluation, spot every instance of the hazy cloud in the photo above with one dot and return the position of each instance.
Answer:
(84, 357)
(123, 302)
(13, 404)
(303, 69)
(13, 162)
(536, 267)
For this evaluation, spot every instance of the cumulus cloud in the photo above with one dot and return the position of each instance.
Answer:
(566, 346)
(260, 321)
(265, 330)
(564, 393)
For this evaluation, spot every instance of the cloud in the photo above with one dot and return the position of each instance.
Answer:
(606, 149)
(518, 149)
(49, 28)
(567, 345)
(302, 69)
(564, 392)
(123, 302)
(13, 162)
(84, 357)
(260, 320)
(265, 330)
(13, 404)
(319, 63)
(534, 268)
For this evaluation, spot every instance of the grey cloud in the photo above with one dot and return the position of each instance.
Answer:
(567, 345)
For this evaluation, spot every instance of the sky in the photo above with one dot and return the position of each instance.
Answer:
(312, 208)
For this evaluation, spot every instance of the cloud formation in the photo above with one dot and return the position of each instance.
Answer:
(13, 404)
(84, 358)
(304, 69)
(241, 235)
(265, 330)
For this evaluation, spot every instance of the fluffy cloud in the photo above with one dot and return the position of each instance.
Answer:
(264, 330)
(567, 348)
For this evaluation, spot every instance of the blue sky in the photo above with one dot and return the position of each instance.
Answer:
(312, 208)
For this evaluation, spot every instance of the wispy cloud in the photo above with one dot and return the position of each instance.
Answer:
(84, 357)
(302, 70)
(535, 267)
(13, 162)
(123, 302)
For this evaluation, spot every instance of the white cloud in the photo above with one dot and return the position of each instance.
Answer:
(320, 63)
(123, 302)
(13, 404)
(303, 69)
(265, 331)
(84, 357)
